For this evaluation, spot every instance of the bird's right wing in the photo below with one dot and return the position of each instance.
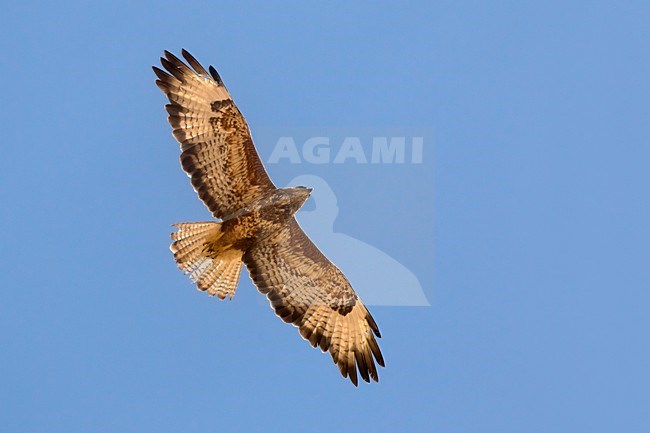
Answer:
(217, 148)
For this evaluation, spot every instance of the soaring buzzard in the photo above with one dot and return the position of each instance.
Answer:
(257, 224)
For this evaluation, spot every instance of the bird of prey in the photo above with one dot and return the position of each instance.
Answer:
(257, 225)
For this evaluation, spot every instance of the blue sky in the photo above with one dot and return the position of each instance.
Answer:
(526, 223)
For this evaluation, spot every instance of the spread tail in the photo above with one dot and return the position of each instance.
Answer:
(216, 274)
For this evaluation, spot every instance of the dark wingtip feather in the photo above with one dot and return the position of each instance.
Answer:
(376, 352)
(194, 63)
(178, 63)
(171, 57)
(162, 75)
(163, 86)
(215, 75)
(172, 68)
(361, 364)
(373, 325)
(372, 368)
(380, 359)
(353, 374)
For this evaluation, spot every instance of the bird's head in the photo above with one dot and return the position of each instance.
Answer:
(292, 198)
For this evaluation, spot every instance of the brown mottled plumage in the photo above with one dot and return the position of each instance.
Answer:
(257, 224)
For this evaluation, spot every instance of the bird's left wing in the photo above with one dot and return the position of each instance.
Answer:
(307, 290)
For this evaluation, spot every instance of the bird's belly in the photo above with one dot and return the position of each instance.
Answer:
(244, 230)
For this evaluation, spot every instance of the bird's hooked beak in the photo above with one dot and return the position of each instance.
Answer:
(304, 193)
(304, 190)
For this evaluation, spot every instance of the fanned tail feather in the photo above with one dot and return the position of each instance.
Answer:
(216, 275)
